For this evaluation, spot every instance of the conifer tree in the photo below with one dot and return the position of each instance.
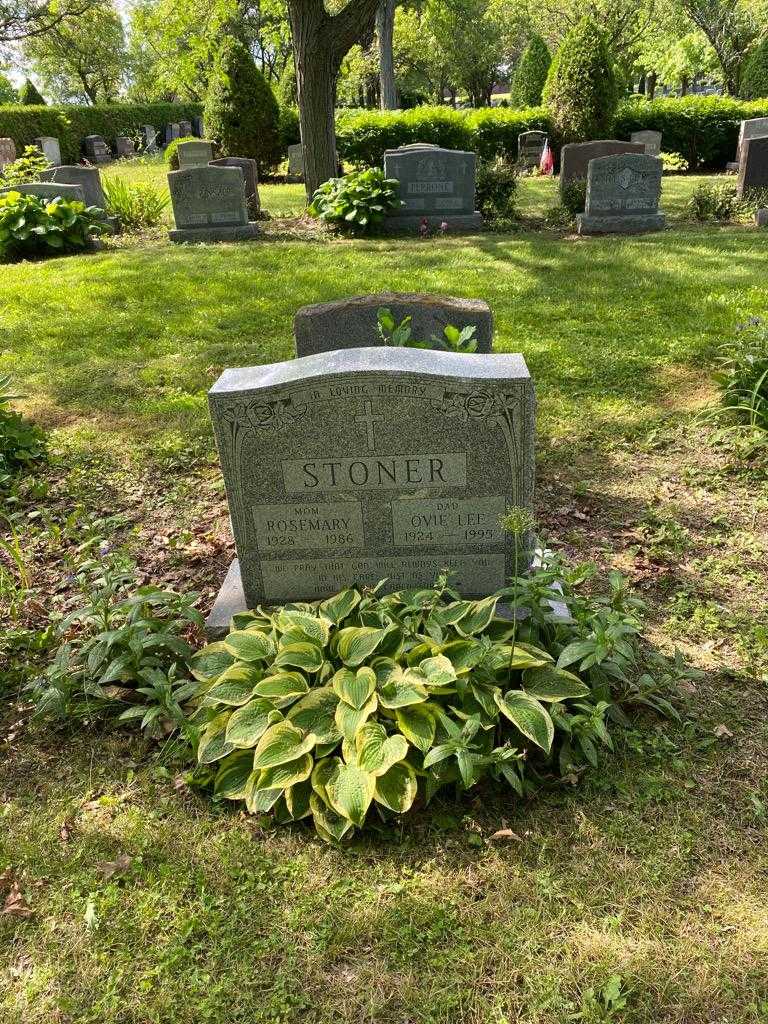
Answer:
(581, 91)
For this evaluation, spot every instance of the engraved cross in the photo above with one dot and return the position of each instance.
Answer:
(369, 420)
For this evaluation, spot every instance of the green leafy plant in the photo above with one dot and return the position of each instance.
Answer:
(601, 1006)
(22, 444)
(753, 82)
(673, 162)
(530, 74)
(137, 206)
(573, 196)
(29, 95)
(354, 707)
(742, 378)
(495, 188)
(581, 92)
(359, 200)
(28, 167)
(31, 226)
(399, 335)
(714, 202)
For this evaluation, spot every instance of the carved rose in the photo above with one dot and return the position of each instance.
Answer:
(479, 405)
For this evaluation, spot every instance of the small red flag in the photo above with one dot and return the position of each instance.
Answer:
(547, 163)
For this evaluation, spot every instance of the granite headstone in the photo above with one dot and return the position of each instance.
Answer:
(623, 195)
(296, 160)
(354, 466)
(89, 180)
(197, 127)
(185, 129)
(753, 166)
(124, 147)
(171, 132)
(650, 139)
(250, 174)
(575, 157)
(150, 138)
(209, 205)
(49, 147)
(7, 151)
(47, 190)
(352, 322)
(761, 217)
(194, 154)
(530, 146)
(753, 128)
(96, 150)
(435, 185)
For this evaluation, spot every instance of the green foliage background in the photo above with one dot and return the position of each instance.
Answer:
(580, 91)
(531, 74)
(29, 95)
(754, 75)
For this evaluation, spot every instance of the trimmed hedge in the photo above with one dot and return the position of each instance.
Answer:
(71, 124)
(704, 129)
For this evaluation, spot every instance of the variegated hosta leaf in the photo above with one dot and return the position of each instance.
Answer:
(377, 752)
(297, 799)
(397, 788)
(211, 661)
(306, 656)
(235, 685)
(350, 791)
(553, 684)
(260, 801)
(284, 688)
(479, 614)
(213, 744)
(283, 775)
(250, 645)
(320, 775)
(402, 689)
(450, 615)
(282, 743)
(438, 671)
(464, 655)
(349, 719)
(317, 630)
(501, 658)
(232, 777)
(417, 724)
(249, 723)
(354, 688)
(338, 607)
(330, 826)
(530, 717)
(317, 713)
(356, 643)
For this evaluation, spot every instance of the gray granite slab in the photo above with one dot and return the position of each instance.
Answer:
(197, 127)
(753, 166)
(622, 195)
(208, 197)
(171, 132)
(124, 147)
(185, 128)
(761, 217)
(296, 160)
(650, 139)
(96, 150)
(150, 138)
(7, 151)
(49, 147)
(434, 183)
(251, 176)
(530, 146)
(362, 464)
(47, 190)
(88, 178)
(575, 156)
(194, 154)
(753, 128)
(352, 322)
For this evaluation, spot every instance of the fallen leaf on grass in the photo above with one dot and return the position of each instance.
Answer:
(506, 834)
(65, 831)
(723, 732)
(15, 905)
(110, 868)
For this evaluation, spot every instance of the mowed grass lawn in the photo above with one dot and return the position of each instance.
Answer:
(653, 869)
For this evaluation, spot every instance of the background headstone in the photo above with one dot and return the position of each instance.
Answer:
(194, 154)
(185, 128)
(49, 147)
(197, 127)
(353, 466)
(47, 190)
(87, 178)
(436, 184)
(622, 195)
(650, 139)
(150, 138)
(250, 174)
(352, 322)
(296, 160)
(124, 147)
(761, 217)
(209, 205)
(171, 132)
(7, 151)
(96, 150)
(753, 166)
(530, 146)
(575, 156)
(753, 128)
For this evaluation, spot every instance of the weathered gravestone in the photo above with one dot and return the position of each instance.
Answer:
(435, 185)
(89, 180)
(171, 132)
(96, 150)
(150, 138)
(530, 146)
(48, 190)
(575, 157)
(209, 205)
(753, 166)
(761, 217)
(622, 195)
(250, 174)
(296, 160)
(7, 151)
(753, 128)
(650, 139)
(49, 147)
(354, 466)
(124, 147)
(197, 127)
(194, 154)
(185, 128)
(352, 322)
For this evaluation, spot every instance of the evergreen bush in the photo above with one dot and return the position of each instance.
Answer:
(530, 74)
(241, 112)
(754, 74)
(29, 96)
(580, 90)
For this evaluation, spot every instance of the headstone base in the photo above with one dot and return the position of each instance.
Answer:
(457, 223)
(588, 224)
(732, 167)
(233, 233)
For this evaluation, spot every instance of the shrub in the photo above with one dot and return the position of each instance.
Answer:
(363, 136)
(495, 187)
(32, 226)
(673, 162)
(29, 96)
(360, 200)
(241, 113)
(339, 708)
(530, 74)
(580, 91)
(288, 128)
(28, 167)
(573, 196)
(743, 381)
(137, 206)
(754, 73)
(171, 151)
(714, 202)
(22, 444)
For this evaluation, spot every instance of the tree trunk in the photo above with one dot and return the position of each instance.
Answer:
(385, 26)
(651, 85)
(684, 85)
(641, 84)
(321, 42)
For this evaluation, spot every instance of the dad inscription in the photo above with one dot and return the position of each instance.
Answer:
(209, 205)
(435, 184)
(358, 465)
(622, 195)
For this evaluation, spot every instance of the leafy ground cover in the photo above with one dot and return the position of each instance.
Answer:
(637, 895)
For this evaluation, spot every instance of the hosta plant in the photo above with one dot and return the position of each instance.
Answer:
(351, 709)
(30, 225)
(359, 201)
(399, 335)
